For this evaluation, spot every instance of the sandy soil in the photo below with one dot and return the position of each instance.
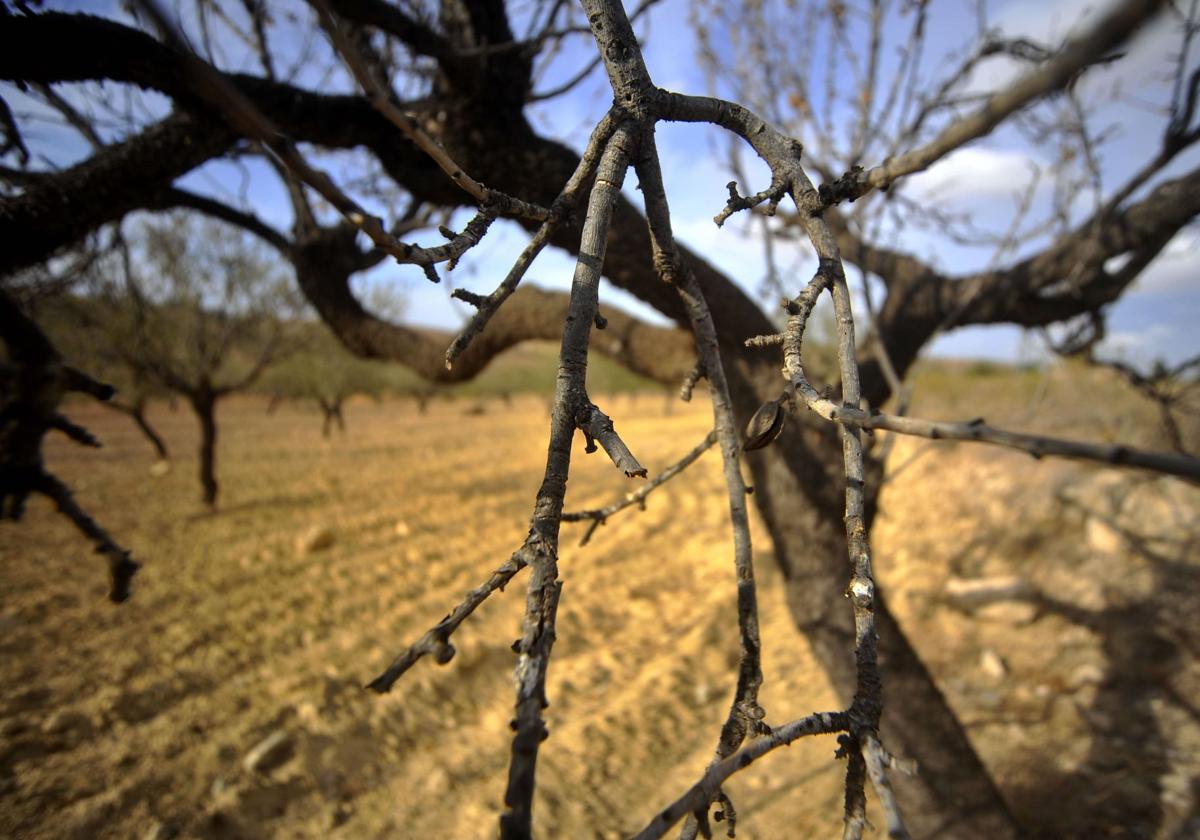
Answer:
(263, 621)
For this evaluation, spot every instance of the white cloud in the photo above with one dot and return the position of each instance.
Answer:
(973, 173)
(1185, 244)
(1137, 345)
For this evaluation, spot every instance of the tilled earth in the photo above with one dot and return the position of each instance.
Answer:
(225, 699)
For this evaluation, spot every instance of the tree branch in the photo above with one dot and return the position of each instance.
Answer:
(1168, 463)
(30, 391)
(436, 640)
(541, 604)
(637, 497)
(818, 723)
(1112, 30)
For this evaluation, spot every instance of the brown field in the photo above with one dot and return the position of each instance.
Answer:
(327, 557)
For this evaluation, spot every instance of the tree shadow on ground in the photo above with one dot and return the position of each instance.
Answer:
(1147, 643)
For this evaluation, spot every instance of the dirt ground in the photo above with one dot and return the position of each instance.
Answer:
(225, 700)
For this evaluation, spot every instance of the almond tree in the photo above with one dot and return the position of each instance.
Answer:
(436, 101)
(323, 372)
(195, 309)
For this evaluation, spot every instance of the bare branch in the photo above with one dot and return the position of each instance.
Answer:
(568, 85)
(384, 101)
(876, 759)
(638, 497)
(31, 386)
(1117, 455)
(74, 431)
(560, 212)
(745, 715)
(12, 134)
(541, 602)
(121, 566)
(691, 381)
(213, 88)
(598, 426)
(436, 640)
(818, 723)
(77, 120)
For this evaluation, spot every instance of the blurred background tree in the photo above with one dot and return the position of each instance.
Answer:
(182, 306)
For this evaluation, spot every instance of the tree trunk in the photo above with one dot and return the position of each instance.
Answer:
(204, 403)
(326, 417)
(332, 412)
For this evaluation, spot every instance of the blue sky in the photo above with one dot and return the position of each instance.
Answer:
(1161, 316)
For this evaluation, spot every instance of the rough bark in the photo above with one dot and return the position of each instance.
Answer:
(55, 212)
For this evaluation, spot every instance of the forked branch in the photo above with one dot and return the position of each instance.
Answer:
(703, 791)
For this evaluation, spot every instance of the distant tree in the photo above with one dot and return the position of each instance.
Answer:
(325, 372)
(191, 307)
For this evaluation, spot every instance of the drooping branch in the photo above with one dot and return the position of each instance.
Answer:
(866, 709)
(633, 88)
(745, 715)
(783, 157)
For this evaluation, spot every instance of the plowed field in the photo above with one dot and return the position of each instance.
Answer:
(264, 619)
